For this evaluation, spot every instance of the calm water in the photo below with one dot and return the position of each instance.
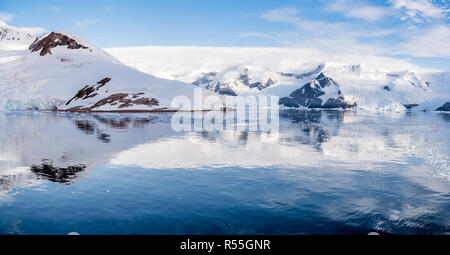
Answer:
(326, 172)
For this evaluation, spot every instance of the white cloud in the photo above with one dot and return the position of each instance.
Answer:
(359, 38)
(419, 9)
(352, 9)
(327, 29)
(110, 8)
(28, 30)
(331, 36)
(287, 15)
(6, 16)
(54, 8)
(254, 34)
(33, 30)
(87, 22)
(433, 42)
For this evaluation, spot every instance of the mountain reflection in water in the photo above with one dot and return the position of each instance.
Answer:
(324, 172)
(63, 175)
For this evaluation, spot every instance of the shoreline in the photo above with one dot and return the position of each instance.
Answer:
(145, 111)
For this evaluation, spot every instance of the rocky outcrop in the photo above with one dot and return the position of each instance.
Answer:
(445, 107)
(8, 33)
(208, 80)
(89, 91)
(53, 40)
(125, 100)
(309, 95)
(221, 88)
(242, 80)
(245, 80)
(118, 100)
(205, 79)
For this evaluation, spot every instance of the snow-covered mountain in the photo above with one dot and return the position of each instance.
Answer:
(238, 80)
(321, 92)
(365, 82)
(63, 71)
(346, 85)
(13, 38)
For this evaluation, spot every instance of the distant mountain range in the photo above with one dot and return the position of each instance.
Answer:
(60, 70)
(297, 75)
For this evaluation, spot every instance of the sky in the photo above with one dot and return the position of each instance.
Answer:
(416, 30)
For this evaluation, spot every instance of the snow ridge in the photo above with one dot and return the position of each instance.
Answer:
(12, 38)
(62, 71)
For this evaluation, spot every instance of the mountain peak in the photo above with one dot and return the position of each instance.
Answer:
(321, 76)
(10, 33)
(53, 40)
(325, 81)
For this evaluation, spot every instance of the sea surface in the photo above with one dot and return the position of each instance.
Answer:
(323, 172)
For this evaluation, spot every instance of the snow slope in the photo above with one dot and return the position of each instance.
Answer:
(63, 71)
(13, 38)
(371, 82)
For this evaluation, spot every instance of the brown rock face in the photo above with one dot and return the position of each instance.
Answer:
(53, 40)
(89, 91)
(121, 100)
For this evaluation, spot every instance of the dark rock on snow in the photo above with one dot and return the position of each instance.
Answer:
(308, 95)
(122, 100)
(205, 79)
(53, 40)
(445, 107)
(410, 106)
(226, 88)
(89, 91)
